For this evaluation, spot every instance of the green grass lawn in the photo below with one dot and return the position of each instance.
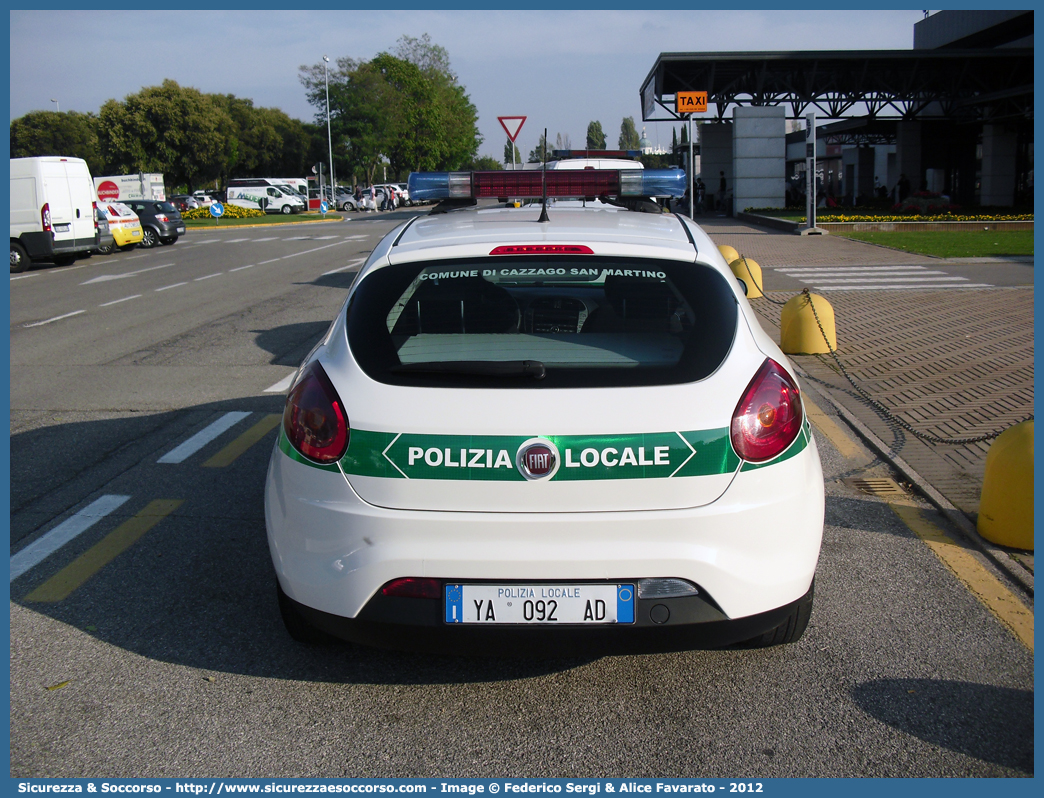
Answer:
(958, 244)
(271, 218)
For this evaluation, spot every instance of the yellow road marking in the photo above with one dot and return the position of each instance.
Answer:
(825, 424)
(59, 586)
(1000, 601)
(244, 441)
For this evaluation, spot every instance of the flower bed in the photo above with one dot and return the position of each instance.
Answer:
(231, 212)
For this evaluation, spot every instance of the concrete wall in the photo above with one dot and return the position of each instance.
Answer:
(998, 165)
(759, 157)
(715, 157)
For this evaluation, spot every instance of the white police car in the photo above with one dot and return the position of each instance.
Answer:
(558, 436)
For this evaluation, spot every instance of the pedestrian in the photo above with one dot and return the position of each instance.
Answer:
(721, 191)
(701, 195)
(904, 187)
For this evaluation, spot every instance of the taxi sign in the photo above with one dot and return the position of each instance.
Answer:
(691, 102)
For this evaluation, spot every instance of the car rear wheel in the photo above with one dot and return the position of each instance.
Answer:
(296, 626)
(791, 630)
(19, 258)
(106, 249)
(346, 207)
(149, 237)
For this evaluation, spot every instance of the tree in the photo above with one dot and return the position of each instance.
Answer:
(178, 131)
(629, 139)
(407, 108)
(484, 163)
(563, 142)
(508, 146)
(595, 136)
(49, 133)
(541, 152)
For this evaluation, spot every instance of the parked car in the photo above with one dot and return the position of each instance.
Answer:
(123, 224)
(343, 199)
(52, 211)
(404, 193)
(184, 202)
(569, 436)
(161, 222)
(106, 242)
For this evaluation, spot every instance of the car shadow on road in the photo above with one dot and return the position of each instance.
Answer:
(994, 724)
(198, 588)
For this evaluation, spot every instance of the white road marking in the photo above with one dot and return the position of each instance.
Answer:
(236, 240)
(56, 318)
(897, 279)
(270, 238)
(355, 238)
(240, 268)
(323, 238)
(348, 266)
(297, 238)
(104, 278)
(118, 301)
(282, 385)
(164, 288)
(309, 251)
(207, 277)
(209, 241)
(896, 287)
(273, 260)
(67, 530)
(185, 450)
(23, 276)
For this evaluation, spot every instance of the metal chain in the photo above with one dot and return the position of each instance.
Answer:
(888, 414)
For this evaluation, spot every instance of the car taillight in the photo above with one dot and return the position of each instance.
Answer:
(45, 217)
(314, 418)
(413, 587)
(768, 417)
(162, 217)
(94, 209)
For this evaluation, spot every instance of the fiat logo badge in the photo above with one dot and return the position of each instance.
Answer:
(537, 459)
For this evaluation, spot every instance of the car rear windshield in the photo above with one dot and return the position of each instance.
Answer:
(542, 322)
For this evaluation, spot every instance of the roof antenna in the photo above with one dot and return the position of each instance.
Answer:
(543, 180)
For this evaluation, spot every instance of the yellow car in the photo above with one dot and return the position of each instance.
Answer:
(123, 224)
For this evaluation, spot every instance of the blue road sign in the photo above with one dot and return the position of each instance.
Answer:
(323, 207)
(217, 209)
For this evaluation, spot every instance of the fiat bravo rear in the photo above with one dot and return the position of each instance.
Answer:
(562, 436)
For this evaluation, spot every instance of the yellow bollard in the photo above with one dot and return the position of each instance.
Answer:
(729, 253)
(1006, 507)
(750, 273)
(799, 334)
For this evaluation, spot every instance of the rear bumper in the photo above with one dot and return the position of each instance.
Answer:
(408, 624)
(753, 551)
(43, 246)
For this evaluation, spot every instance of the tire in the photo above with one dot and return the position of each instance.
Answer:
(346, 207)
(168, 241)
(106, 250)
(791, 630)
(149, 238)
(296, 626)
(19, 258)
(286, 210)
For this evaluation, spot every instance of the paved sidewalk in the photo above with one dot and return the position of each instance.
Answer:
(953, 363)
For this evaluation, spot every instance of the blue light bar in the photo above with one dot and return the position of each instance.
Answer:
(428, 185)
(664, 183)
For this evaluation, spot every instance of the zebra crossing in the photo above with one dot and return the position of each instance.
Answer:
(875, 278)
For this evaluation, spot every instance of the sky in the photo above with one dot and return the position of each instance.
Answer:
(560, 69)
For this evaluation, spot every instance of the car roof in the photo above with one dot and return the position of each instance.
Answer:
(606, 229)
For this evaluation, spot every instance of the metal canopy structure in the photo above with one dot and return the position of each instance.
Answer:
(957, 85)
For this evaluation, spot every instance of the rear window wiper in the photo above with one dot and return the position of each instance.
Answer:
(484, 368)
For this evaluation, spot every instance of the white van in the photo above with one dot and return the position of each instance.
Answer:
(53, 204)
(260, 193)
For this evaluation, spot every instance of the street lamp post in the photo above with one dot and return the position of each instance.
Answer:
(329, 138)
(57, 109)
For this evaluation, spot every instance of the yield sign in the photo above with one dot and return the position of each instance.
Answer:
(511, 125)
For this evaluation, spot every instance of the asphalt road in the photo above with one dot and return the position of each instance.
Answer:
(170, 660)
